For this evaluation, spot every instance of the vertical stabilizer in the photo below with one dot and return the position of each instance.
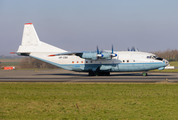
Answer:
(31, 43)
(30, 36)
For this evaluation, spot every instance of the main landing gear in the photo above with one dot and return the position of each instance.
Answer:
(145, 73)
(91, 73)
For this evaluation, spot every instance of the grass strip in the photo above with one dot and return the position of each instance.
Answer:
(88, 101)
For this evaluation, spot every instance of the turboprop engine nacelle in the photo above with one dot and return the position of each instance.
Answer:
(89, 55)
(95, 55)
(106, 55)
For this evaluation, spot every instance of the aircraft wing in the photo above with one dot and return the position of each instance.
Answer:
(94, 55)
(68, 53)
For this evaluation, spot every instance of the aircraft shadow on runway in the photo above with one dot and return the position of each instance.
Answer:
(121, 74)
(65, 74)
(137, 74)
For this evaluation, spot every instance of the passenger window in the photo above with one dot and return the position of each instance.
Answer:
(86, 61)
(133, 60)
(91, 61)
(77, 61)
(72, 61)
(123, 60)
(127, 60)
(81, 61)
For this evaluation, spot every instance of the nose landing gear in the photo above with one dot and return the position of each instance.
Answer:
(145, 74)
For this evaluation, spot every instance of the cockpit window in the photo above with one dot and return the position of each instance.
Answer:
(156, 57)
(148, 56)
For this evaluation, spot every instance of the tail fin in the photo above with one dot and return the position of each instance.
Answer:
(30, 36)
(31, 43)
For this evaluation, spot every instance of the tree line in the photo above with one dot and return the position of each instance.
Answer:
(170, 55)
(29, 62)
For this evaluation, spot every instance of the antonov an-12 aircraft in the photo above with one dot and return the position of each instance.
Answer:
(94, 62)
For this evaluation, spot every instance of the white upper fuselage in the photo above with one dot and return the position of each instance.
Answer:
(124, 61)
(106, 61)
(122, 57)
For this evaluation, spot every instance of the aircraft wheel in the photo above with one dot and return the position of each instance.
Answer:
(91, 73)
(108, 74)
(105, 73)
(100, 74)
(96, 73)
(145, 74)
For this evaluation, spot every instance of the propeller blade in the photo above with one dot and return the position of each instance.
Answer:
(98, 52)
(133, 49)
(101, 51)
(113, 54)
(112, 49)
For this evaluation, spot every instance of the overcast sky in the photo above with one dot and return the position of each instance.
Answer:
(78, 25)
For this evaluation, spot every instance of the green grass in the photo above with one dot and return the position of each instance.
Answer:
(10, 63)
(166, 70)
(88, 101)
(174, 63)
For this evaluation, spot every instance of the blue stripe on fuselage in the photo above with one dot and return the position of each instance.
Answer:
(120, 67)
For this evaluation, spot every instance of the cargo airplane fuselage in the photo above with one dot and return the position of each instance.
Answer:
(93, 62)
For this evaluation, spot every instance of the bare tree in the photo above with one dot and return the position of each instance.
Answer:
(29, 62)
(170, 55)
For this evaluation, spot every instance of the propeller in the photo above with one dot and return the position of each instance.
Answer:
(97, 50)
(99, 54)
(112, 53)
(133, 49)
(112, 49)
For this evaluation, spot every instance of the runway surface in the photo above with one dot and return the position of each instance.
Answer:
(59, 75)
